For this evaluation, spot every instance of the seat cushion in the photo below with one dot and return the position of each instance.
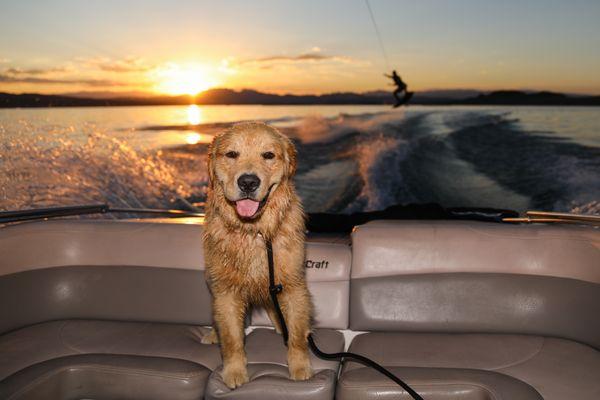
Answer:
(556, 368)
(104, 376)
(268, 371)
(434, 384)
(45, 342)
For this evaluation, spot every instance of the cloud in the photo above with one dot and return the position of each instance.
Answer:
(313, 57)
(128, 64)
(6, 78)
(33, 71)
(77, 73)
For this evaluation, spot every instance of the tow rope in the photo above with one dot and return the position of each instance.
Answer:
(275, 289)
(381, 46)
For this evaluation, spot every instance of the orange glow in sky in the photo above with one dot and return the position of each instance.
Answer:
(69, 46)
(189, 79)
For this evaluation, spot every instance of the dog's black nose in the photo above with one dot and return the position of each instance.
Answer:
(248, 183)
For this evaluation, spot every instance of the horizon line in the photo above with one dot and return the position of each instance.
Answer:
(142, 94)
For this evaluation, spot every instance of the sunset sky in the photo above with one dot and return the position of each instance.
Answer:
(309, 46)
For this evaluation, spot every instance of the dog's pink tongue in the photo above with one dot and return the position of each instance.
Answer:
(246, 208)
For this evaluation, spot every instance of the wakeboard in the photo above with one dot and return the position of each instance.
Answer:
(405, 99)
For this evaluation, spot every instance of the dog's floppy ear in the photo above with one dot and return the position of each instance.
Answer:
(291, 157)
(210, 160)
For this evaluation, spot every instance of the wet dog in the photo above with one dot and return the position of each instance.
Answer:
(251, 199)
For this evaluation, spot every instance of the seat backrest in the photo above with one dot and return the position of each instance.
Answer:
(327, 264)
(116, 270)
(136, 271)
(459, 276)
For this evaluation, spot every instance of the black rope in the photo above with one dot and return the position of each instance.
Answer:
(275, 289)
(385, 56)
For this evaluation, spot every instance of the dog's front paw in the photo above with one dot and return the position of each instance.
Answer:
(301, 372)
(210, 338)
(299, 364)
(235, 376)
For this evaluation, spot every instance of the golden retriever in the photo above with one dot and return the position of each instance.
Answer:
(252, 198)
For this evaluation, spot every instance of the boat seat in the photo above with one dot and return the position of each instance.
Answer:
(110, 359)
(102, 376)
(497, 311)
(459, 309)
(94, 302)
(106, 359)
(473, 366)
(268, 371)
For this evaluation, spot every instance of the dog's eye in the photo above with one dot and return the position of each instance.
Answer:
(268, 155)
(232, 154)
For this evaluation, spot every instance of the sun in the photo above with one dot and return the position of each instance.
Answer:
(189, 79)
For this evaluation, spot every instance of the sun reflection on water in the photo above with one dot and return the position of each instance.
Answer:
(194, 114)
(193, 138)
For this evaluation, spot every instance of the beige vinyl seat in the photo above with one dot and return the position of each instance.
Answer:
(105, 359)
(103, 309)
(268, 371)
(117, 310)
(465, 310)
(472, 310)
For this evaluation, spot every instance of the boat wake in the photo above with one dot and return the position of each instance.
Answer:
(348, 163)
(94, 167)
(453, 158)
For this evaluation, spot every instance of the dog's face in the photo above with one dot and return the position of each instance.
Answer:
(248, 162)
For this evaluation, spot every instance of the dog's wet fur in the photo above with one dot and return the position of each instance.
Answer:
(251, 198)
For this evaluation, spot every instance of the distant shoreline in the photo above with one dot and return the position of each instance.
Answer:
(251, 97)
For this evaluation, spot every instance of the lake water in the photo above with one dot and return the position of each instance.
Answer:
(351, 158)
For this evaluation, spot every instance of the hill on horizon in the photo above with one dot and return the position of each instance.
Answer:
(221, 96)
